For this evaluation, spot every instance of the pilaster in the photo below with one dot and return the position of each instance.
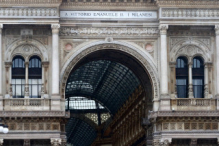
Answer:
(217, 60)
(55, 99)
(165, 98)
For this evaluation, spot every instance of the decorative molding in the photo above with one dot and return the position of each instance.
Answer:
(190, 47)
(26, 49)
(110, 31)
(108, 4)
(182, 13)
(55, 28)
(217, 29)
(165, 141)
(72, 62)
(28, 12)
(163, 29)
(188, 3)
(33, 114)
(175, 114)
(37, 3)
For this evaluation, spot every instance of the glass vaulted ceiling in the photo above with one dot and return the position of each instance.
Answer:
(108, 82)
(97, 90)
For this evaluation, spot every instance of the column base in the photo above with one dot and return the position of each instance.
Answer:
(165, 103)
(55, 103)
(1, 103)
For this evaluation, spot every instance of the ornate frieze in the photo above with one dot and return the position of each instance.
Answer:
(187, 3)
(107, 4)
(53, 3)
(182, 13)
(56, 141)
(33, 114)
(189, 47)
(28, 12)
(175, 114)
(109, 31)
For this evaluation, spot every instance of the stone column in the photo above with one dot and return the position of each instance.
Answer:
(1, 142)
(26, 80)
(55, 59)
(56, 141)
(165, 98)
(44, 92)
(173, 80)
(217, 60)
(206, 81)
(8, 79)
(163, 60)
(26, 142)
(190, 82)
(55, 99)
(193, 142)
(1, 27)
(165, 141)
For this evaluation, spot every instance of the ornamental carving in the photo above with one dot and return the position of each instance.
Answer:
(28, 12)
(56, 141)
(69, 65)
(26, 49)
(109, 31)
(190, 47)
(189, 13)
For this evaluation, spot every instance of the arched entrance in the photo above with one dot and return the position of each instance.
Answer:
(118, 84)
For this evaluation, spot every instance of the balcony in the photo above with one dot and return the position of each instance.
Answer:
(26, 104)
(193, 104)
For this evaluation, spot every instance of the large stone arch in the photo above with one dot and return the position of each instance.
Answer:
(134, 52)
(32, 48)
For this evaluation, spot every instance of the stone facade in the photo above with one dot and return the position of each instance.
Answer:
(153, 32)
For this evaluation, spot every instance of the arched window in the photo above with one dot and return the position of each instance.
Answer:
(182, 77)
(35, 77)
(18, 77)
(198, 77)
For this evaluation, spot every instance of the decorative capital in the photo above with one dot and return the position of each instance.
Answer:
(216, 29)
(165, 142)
(163, 28)
(1, 142)
(55, 28)
(56, 141)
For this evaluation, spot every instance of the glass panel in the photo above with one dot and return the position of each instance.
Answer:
(198, 88)
(181, 88)
(18, 88)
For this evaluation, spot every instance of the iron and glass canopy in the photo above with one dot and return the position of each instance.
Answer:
(97, 89)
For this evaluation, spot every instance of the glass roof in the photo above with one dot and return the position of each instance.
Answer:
(108, 82)
(96, 90)
(80, 133)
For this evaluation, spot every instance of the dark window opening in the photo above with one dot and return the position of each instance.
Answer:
(182, 77)
(198, 77)
(35, 77)
(18, 77)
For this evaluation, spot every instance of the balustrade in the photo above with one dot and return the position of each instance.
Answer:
(194, 104)
(23, 104)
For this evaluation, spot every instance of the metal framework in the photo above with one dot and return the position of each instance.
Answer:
(96, 89)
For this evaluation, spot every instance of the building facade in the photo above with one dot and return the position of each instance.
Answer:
(109, 72)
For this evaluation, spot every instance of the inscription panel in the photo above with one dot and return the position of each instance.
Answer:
(144, 15)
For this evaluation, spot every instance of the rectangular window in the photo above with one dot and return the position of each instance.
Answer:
(198, 88)
(18, 86)
(181, 88)
(35, 88)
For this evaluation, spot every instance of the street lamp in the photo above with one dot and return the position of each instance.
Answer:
(3, 128)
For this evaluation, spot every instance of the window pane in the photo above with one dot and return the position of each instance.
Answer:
(181, 88)
(198, 88)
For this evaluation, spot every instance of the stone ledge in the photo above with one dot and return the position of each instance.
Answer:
(34, 114)
(184, 114)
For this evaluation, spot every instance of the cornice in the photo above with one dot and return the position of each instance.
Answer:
(30, 3)
(188, 3)
(153, 115)
(108, 5)
(34, 114)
